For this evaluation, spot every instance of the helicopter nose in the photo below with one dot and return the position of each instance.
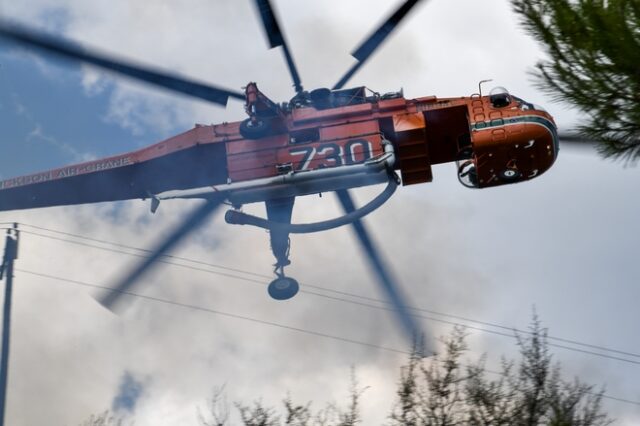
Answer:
(540, 130)
(518, 147)
(547, 121)
(546, 134)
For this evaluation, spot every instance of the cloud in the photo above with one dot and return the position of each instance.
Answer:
(38, 134)
(129, 392)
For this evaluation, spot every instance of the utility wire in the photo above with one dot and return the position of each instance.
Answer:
(366, 305)
(339, 299)
(268, 323)
(510, 329)
(213, 311)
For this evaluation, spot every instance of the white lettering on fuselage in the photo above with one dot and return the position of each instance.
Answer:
(96, 166)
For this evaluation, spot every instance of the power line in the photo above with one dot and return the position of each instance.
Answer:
(343, 300)
(339, 299)
(366, 305)
(267, 323)
(214, 311)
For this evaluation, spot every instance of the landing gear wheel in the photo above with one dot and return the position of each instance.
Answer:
(254, 130)
(510, 175)
(283, 288)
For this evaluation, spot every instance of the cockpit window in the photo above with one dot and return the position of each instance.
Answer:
(467, 173)
(499, 97)
(524, 105)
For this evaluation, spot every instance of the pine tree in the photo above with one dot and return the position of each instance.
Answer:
(445, 391)
(103, 419)
(593, 63)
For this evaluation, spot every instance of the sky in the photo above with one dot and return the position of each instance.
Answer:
(563, 244)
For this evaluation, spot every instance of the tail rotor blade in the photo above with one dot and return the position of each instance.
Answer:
(366, 49)
(70, 50)
(193, 221)
(276, 38)
(383, 276)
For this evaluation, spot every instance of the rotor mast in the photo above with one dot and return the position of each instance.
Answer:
(276, 39)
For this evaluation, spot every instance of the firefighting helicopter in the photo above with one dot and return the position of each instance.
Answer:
(319, 141)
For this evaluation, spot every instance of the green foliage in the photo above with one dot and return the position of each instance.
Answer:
(593, 64)
(257, 415)
(218, 409)
(431, 392)
(351, 416)
(406, 411)
(103, 419)
(297, 415)
(442, 402)
(444, 392)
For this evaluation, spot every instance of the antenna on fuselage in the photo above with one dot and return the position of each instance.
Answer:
(480, 85)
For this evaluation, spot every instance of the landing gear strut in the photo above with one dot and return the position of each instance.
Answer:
(283, 287)
(278, 223)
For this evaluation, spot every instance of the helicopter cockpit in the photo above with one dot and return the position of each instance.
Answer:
(500, 98)
(512, 140)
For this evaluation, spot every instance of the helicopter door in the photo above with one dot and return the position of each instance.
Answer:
(448, 135)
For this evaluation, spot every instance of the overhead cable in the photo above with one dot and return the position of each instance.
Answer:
(267, 323)
(512, 330)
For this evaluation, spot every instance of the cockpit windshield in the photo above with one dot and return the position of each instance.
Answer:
(467, 173)
(524, 105)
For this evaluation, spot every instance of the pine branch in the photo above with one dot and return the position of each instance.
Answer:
(593, 64)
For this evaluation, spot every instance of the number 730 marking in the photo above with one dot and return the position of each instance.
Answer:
(332, 154)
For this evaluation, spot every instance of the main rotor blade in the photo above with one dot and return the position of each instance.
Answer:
(193, 221)
(384, 278)
(276, 38)
(74, 51)
(366, 49)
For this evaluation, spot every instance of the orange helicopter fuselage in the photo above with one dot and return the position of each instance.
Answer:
(495, 142)
(510, 143)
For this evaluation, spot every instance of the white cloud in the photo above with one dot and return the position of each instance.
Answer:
(39, 135)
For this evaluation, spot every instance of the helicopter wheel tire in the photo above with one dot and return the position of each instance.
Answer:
(251, 130)
(283, 288)
(509, 175)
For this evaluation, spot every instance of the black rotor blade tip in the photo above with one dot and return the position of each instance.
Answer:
(371, 44)
(191, 223)
(70, 50)
(271, 26)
